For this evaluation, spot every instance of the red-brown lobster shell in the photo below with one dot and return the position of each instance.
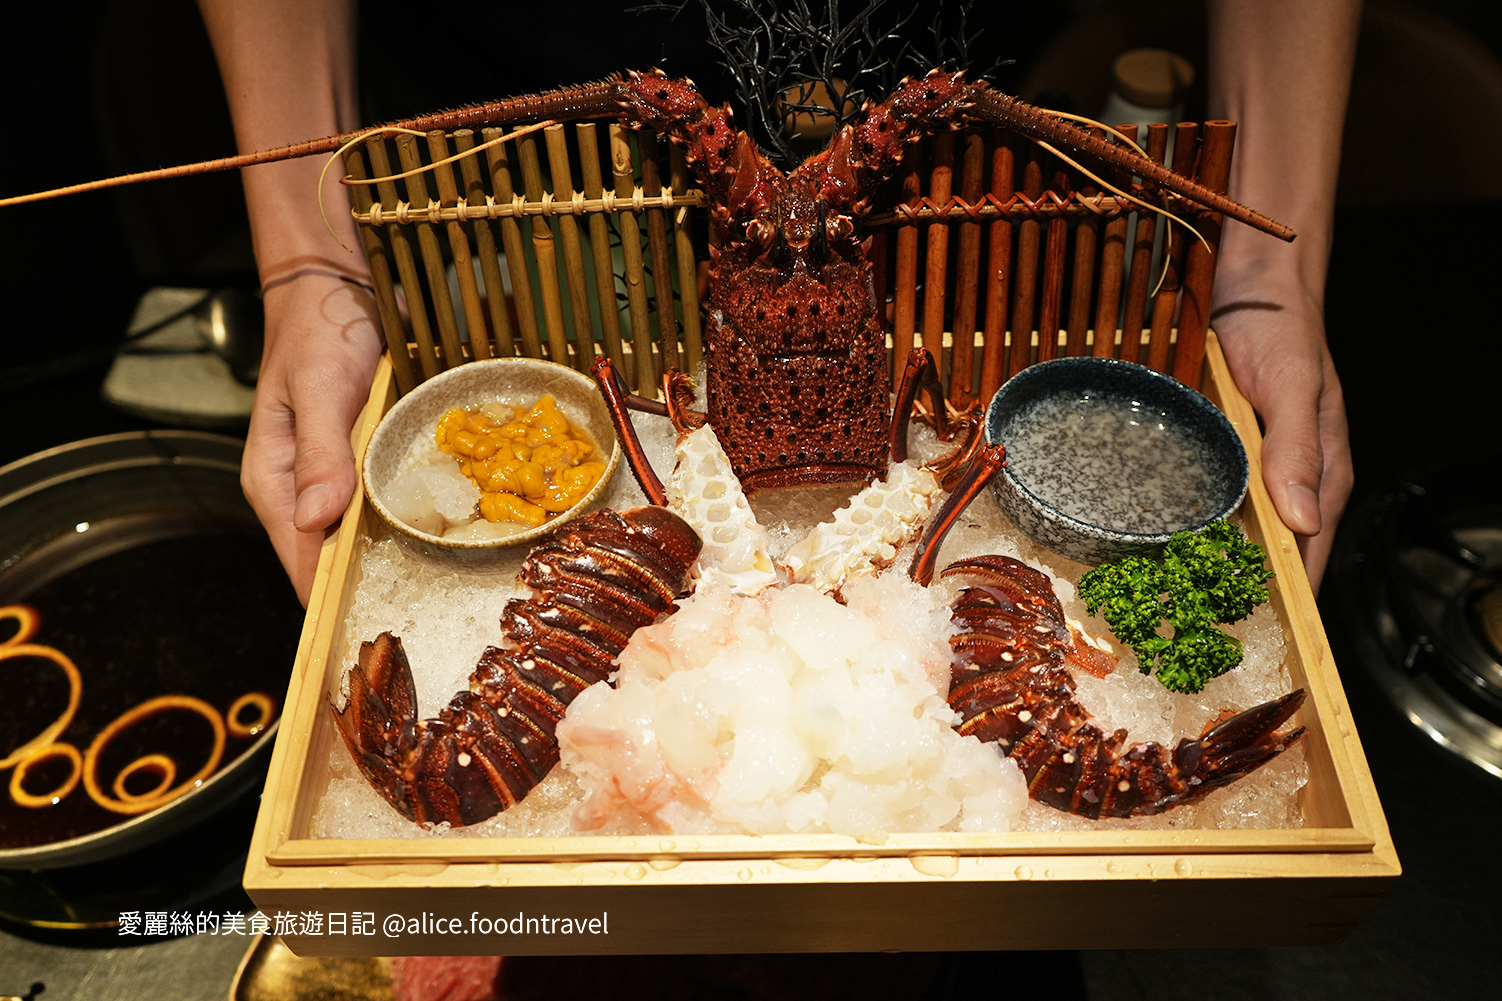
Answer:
(796, 342)
(1009, 684)
(596, 582)
(796, 355)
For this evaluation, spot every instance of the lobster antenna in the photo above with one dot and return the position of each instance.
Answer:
(1100, 125)
(390, 129)
(1163, 275)
(524, 130)
(1131, 198)
(487, 112)
(1167, 215)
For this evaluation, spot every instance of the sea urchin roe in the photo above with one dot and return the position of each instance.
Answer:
(528, 465)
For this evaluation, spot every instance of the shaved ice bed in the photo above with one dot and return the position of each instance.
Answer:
(447, 615)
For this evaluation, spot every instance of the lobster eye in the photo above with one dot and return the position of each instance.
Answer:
(760, 232)
(838, 227)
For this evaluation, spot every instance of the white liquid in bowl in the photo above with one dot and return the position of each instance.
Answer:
(1110, 463)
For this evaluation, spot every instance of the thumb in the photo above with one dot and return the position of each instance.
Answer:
(1293, 459)
(324, 467)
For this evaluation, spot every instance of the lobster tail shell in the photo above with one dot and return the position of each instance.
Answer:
(594, 583)
(377, 723)
(1010, 685)
(1242, 743)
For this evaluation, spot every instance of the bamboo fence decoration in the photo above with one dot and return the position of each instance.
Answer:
(967, 265)
(1142, 255)
(573, 253)
(498, 160)
(998, 274)
(657, 244)
(543, 251)
(490, 263)
(688, 267)
(905, 297)
(940, 184)
(622, 165)
(1213, 170)
(1025, 263)
(458, 243)
(432, 256)
(377, 254)
(988, 250)
(599, 245)
(1112, 268)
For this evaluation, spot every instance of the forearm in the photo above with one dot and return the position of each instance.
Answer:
(1282, 69)
(289, 72)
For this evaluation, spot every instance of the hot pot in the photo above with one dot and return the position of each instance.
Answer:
(146, 569)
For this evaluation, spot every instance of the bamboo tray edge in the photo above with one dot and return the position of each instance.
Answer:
(663, 888)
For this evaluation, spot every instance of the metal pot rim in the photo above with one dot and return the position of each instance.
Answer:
(133, 449)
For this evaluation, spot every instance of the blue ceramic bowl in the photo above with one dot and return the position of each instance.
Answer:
(1107, 459)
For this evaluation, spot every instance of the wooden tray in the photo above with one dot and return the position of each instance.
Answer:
(1082, 889)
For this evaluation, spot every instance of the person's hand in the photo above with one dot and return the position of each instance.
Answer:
(1273, 335)
(322, 344)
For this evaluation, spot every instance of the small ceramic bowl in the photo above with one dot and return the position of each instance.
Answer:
(1107, 459)
(517, 382)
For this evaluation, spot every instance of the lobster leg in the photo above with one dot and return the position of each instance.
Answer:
(985, 466)
(920, 372)
(950, 468)
(636, 458)
(678, 391)
(634, 402)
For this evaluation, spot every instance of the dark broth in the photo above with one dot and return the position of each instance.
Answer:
(162, 604)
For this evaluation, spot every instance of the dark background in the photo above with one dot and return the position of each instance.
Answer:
(98, 88)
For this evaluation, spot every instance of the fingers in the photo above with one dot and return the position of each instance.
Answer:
(267, 480)
(1293, 460)
(1306, 460)
(1335, 483)
(327, 404)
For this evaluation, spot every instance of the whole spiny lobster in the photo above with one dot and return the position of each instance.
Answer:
(796, 391)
